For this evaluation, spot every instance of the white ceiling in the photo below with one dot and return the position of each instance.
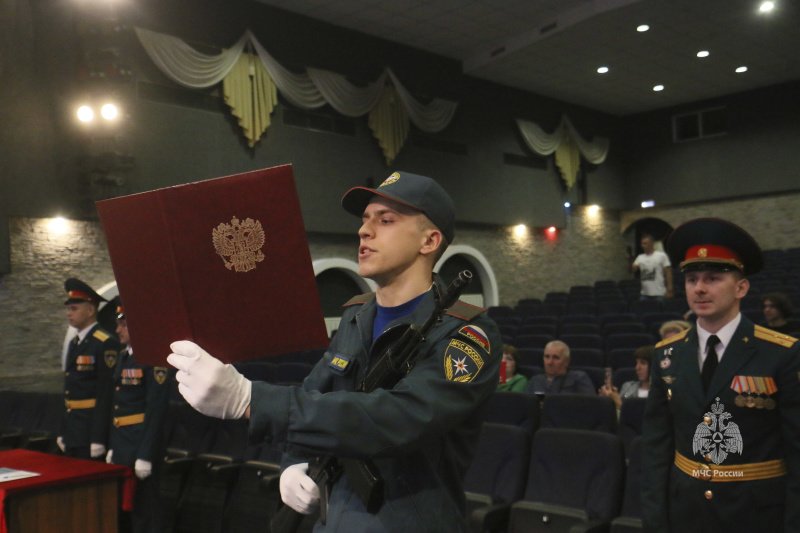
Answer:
(508, 42)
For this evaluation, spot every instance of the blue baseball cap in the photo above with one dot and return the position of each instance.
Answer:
(412, 190)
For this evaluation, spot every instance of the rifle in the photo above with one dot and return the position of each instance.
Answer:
(395, 362)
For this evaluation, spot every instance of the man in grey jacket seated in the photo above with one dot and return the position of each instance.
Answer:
(557, 378)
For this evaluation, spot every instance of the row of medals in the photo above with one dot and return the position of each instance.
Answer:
(750, 400)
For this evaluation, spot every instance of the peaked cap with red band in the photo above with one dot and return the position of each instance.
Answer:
(78, 291)
(714, 244)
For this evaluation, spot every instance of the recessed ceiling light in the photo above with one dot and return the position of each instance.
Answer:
(643, 27)
(741, 69)
(702, 53)
(766, 7)
(658, 88)
(602, 70)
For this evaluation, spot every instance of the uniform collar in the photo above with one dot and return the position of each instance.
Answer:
(85, 331)
(725, 334)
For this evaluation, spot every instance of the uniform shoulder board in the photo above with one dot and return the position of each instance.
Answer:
(774, 337)
(360, 299)
(102, 336)
(670, 340)
(464, 310)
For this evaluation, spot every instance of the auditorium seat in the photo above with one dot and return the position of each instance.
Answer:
(630, 518)
(628, 340)
(594, 342)
(615, 328)
(574, 483)
(519, 409)
(579, 329)
(579, 411)
(532, 341)
(631, 418)
(497, 477)
(583, 357)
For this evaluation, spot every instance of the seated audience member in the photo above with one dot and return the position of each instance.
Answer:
(557, 379)
(633, 389)
(673, 327)
(777, 308)
(514, 382)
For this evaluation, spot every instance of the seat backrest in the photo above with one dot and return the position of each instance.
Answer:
(632, 502)
(500, 466)
(577, 468)
(532, 341)
(628, 340)
(631, 418)
(583, 341)
(515, 409)
(579, 411)
(586, 357)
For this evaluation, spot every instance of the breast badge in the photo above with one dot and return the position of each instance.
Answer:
(241, 242)
(717, 437)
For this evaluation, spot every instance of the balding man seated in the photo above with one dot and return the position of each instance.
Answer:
(557, 378)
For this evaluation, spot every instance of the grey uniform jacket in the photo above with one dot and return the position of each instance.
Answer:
(421, 435)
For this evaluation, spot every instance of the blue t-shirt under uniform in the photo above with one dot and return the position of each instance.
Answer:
(385, 315)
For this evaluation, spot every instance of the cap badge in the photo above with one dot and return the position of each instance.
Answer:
(391, 179)
(702, 252)
(239, 244)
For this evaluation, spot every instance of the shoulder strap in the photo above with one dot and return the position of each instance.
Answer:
(360, 299)
(464, 310)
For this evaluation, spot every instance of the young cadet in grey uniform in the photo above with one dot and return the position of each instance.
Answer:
(87, 376)
(421, 435)
(141, 400)
(721, 438)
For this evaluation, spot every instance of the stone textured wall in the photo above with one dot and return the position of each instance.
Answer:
(773, 221)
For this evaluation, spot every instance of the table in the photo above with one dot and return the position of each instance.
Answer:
(68, 495)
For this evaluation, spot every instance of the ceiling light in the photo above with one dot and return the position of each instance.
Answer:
(642, 28)
(593, 209)
(702, 53)
(520, 230)
(648, 203)
(602, 70)
(566, 204)
(85, 113)
(766, 7)
(109, 111)
(741, 69)
(658, 88)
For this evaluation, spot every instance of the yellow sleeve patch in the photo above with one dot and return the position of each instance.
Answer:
(102, 337)
(774, 337)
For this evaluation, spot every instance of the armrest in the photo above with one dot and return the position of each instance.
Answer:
(592, 526)
(492, 517)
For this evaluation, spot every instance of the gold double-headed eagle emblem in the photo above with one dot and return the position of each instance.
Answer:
(239, 243)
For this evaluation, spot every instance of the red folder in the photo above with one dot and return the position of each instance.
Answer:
(223, 262)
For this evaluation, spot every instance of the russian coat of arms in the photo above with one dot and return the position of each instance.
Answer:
(717, 436)
(239, 243)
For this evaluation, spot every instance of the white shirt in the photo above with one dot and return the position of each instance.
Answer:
(725, 334)
(652, 273)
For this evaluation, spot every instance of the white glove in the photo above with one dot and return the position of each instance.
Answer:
(143, 468)
(60, 444)
(213, 388)
(299, 491)
(97, 450)
(110, 456)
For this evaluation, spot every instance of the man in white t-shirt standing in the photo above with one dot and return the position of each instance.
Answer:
(656, 271)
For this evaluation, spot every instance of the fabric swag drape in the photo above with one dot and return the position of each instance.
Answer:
(250, 87)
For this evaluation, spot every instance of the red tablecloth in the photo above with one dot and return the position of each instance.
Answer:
(57, 470)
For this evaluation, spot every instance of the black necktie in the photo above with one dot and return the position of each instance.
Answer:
(711, 362)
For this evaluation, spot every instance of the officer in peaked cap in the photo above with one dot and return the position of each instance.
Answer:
(419, 435)
(721, 436)
(88, 369)
(140, 402)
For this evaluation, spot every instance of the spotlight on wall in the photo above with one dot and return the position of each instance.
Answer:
(551, 233)
(58, 225)
(520, 230)
(593, 209)
(567, 204)
(766, 7)
(648, 203)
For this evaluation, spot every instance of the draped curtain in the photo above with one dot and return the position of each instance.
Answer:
(251, 86)
(567, 144)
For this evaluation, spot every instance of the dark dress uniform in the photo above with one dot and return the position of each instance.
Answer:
(87, 391)
(421, 435)
(725, 458)
(141, 399)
